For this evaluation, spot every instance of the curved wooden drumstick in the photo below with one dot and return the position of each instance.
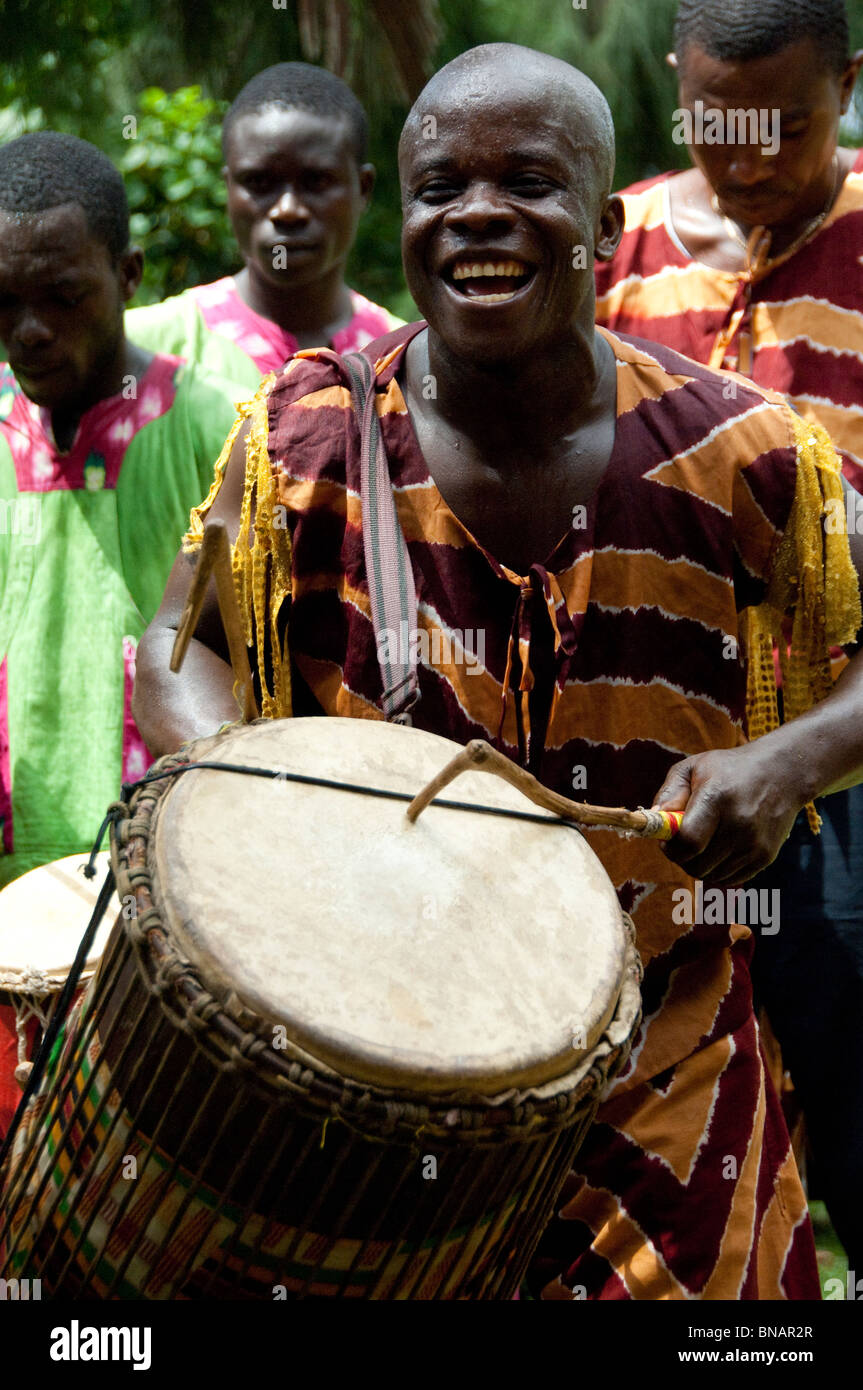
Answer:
(215, 559)
(479, 756)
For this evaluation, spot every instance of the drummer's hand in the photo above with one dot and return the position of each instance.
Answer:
(739, 804)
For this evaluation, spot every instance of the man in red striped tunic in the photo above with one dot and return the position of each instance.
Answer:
(751, 261)
(608, 520)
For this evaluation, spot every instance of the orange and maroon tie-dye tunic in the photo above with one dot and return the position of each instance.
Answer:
(795, 327)
(686, 1186)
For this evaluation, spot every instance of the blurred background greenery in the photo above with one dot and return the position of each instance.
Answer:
(148, 81)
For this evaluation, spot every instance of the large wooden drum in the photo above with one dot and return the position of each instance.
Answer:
(334, 1053)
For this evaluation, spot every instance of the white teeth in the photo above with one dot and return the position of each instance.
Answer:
(491, 298)
(466, 270)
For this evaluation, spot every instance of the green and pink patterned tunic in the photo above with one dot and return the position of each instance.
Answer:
(212, 326)
(87, 539)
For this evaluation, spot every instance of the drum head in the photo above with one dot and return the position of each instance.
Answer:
(44, 914)
(465, 951)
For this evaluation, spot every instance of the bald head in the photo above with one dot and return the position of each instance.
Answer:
(559, 93)
(506, 164)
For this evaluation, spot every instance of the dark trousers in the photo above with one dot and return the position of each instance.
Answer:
(809, 977)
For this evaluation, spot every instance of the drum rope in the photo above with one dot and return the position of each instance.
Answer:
(643, 824)
(39, 987)
(331, 784)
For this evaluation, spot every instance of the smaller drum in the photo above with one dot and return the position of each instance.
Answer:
(43, 915)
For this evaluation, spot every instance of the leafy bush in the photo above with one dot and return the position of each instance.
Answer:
(170, 155)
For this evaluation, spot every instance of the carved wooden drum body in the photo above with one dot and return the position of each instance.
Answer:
(334, 1053)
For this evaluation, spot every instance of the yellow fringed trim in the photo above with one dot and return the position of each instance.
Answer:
(261, 555)
(262, 568)
(815, 583)
(195, 534)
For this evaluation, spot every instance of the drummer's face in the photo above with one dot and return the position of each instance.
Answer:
(502, 216)
(62, 297)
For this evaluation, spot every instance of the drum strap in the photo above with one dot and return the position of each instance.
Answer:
(388, 567)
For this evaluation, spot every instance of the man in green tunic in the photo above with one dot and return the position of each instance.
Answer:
(103, 449)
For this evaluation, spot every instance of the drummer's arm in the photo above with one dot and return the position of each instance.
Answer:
(168, 708)
(740, 803)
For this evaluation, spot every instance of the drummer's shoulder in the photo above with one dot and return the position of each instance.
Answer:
(312, 371)
(312, 423)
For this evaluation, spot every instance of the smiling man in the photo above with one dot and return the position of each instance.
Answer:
(610, 521)
(752, 261)
(298, 182)
(103, 449)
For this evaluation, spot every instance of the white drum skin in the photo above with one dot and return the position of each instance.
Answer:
(465, 950)
(43, 915)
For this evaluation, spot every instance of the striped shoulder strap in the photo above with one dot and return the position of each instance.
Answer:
(388, 566)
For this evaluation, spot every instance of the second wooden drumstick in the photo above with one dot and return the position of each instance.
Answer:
(214, 561)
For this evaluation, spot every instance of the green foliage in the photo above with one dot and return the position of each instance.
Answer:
(375, 265)
(80, 65)
(832, 1260)
(170, 154)
(60, 59)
